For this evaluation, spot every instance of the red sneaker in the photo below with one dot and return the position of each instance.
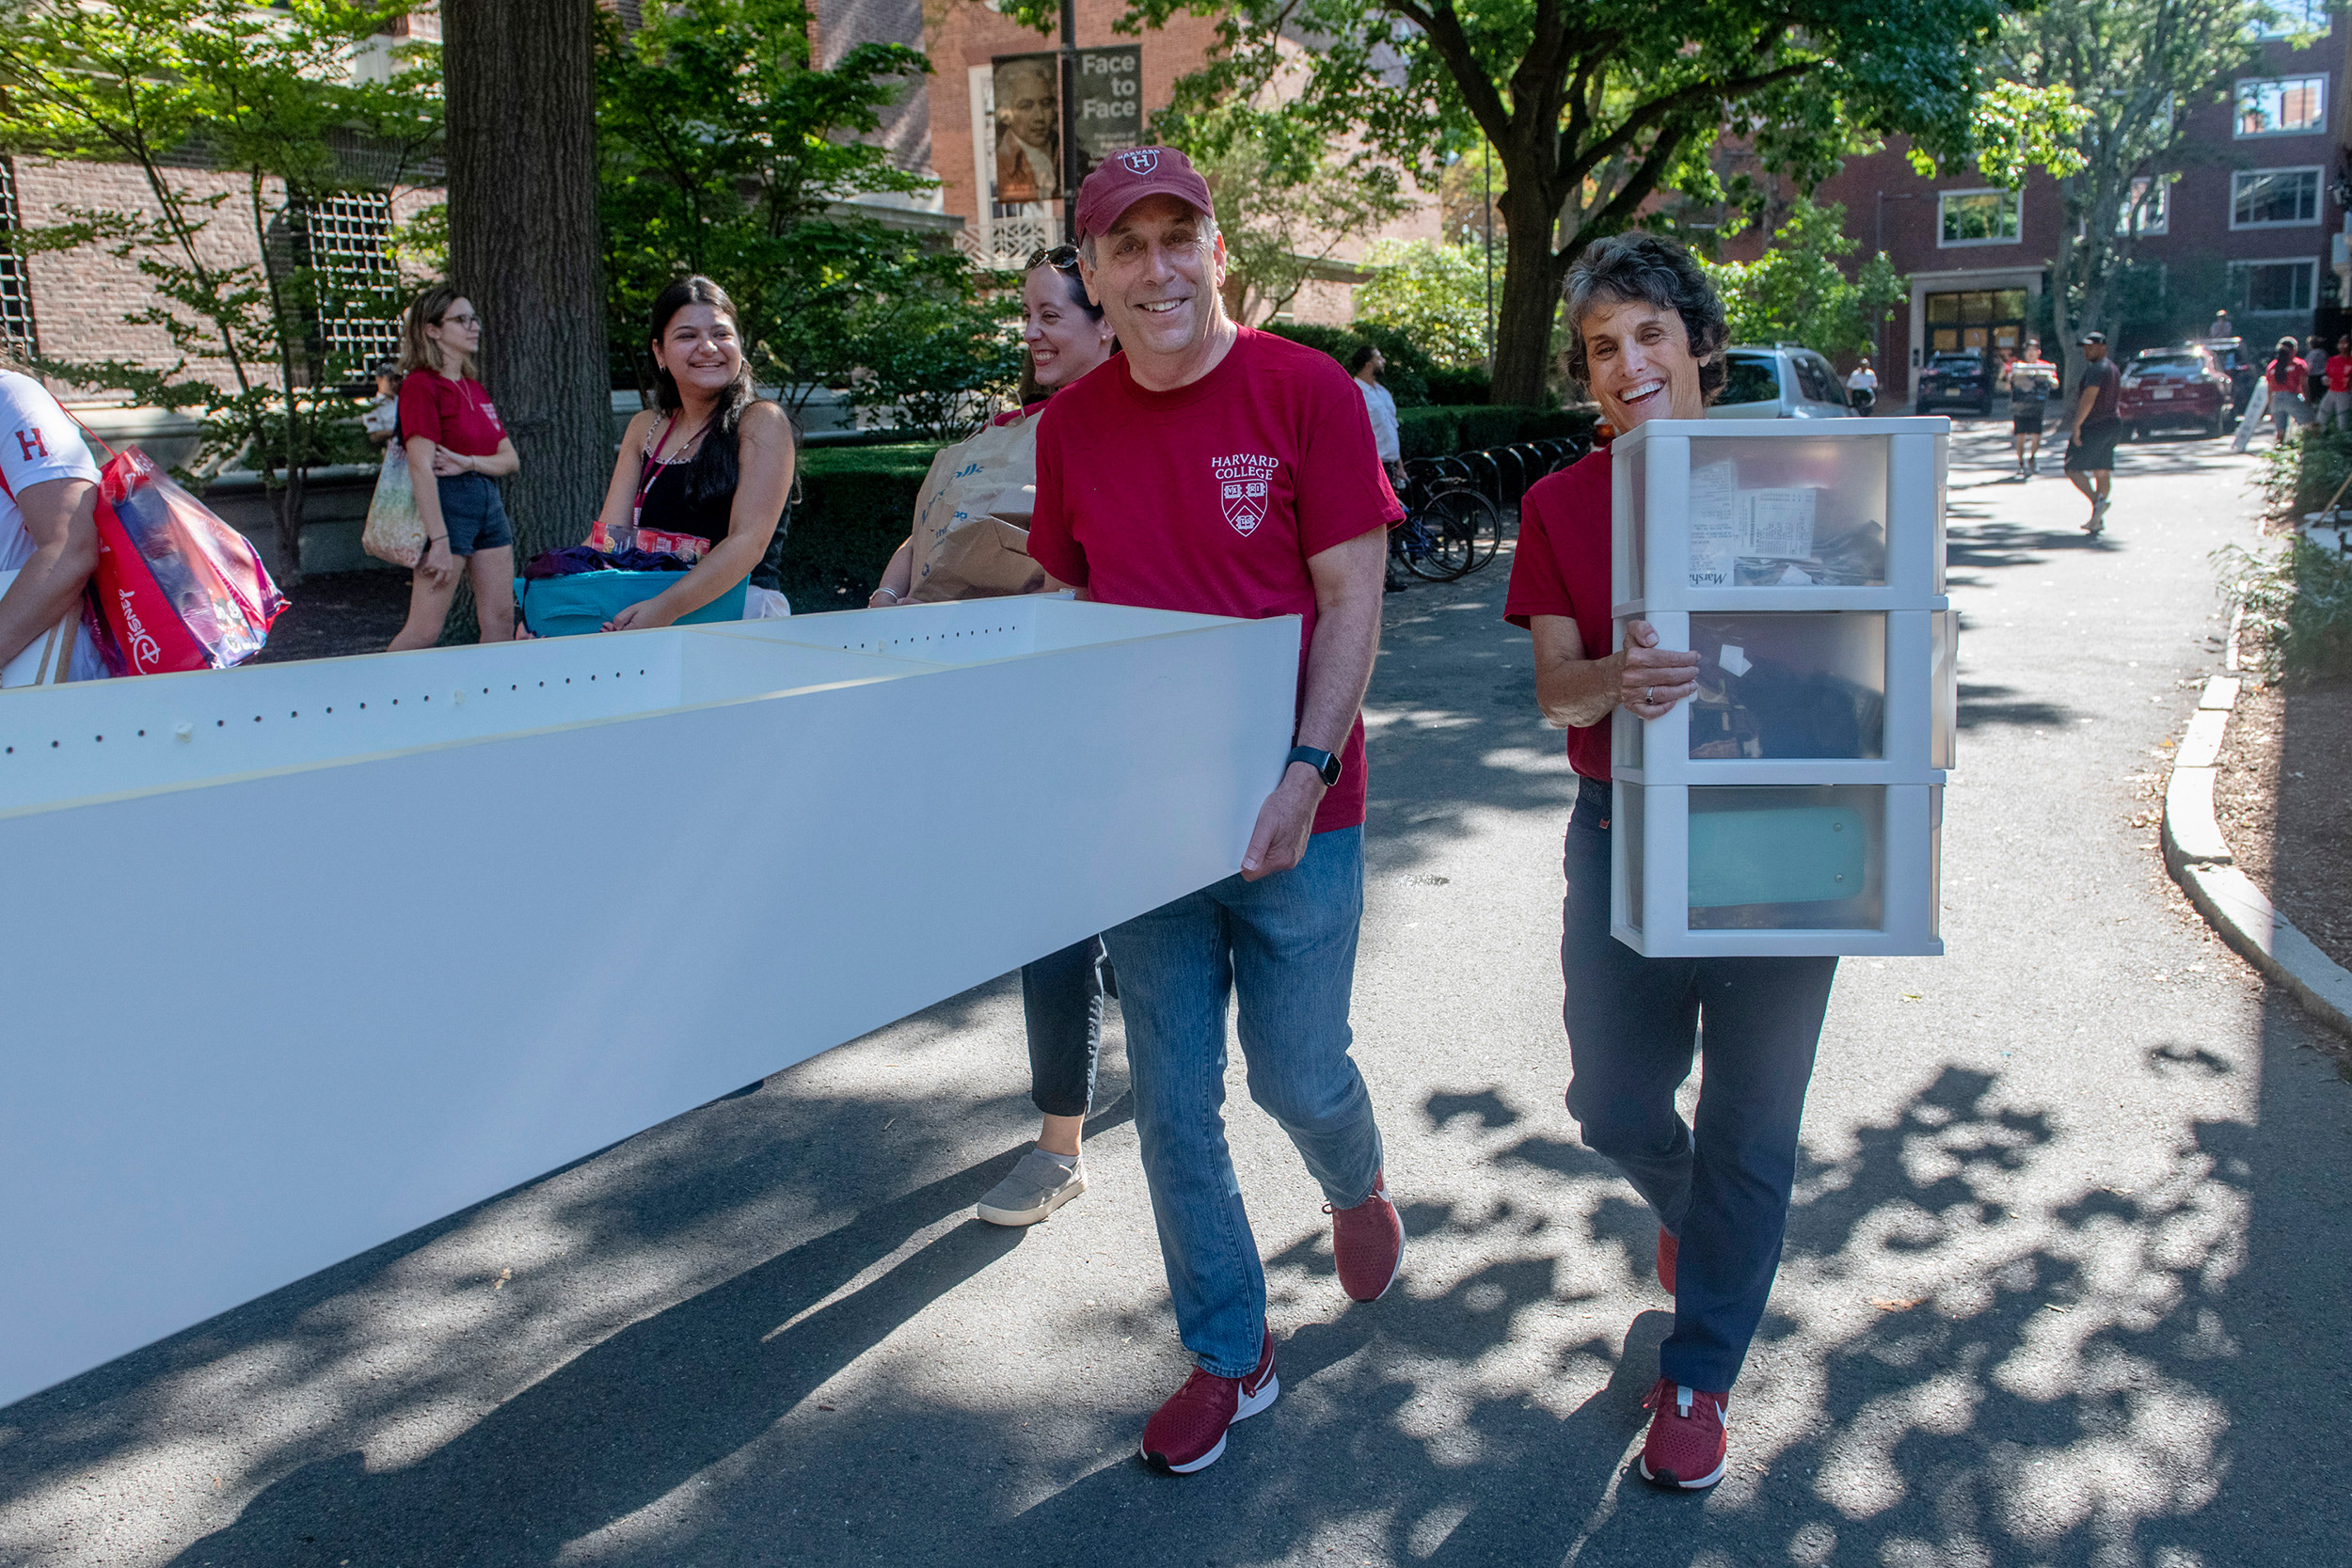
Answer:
(1187, 1433)
(1669, 1248)
(1368, 1241)
(1686, 1446)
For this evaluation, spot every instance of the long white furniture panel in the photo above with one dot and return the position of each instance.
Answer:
(294, 959)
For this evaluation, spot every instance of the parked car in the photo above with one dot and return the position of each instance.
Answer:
(1786, 380)
(1955, 380)
(2169, 388)
(2231, 357)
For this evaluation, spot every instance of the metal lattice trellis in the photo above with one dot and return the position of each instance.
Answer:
(346, 245)
(16, 286)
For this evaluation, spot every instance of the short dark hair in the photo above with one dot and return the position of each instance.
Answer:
(1649, 267)
(1362, 356)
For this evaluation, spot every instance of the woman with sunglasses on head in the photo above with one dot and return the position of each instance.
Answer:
(711, 460)
(1061, 994)
(457, 448)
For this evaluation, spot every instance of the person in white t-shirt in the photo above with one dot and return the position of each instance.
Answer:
(1865, 381)
(48, 521)
(1365, 364)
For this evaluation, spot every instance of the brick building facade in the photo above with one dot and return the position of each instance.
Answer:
(2254, 224)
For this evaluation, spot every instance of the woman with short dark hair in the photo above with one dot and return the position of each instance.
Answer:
(1646, 336)
(710, 460)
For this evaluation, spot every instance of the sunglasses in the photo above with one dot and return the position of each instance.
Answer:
(1062, 256)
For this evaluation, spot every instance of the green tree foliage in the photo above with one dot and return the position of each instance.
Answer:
(1434, 294)
(1593, 106)
(1286, 202)
(2129, 68)
(1797, 291)
(725, 152)
(161, 83)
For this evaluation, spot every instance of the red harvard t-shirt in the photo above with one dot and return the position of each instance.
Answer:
(1561, 568)
(455, 413)
(1211, 498)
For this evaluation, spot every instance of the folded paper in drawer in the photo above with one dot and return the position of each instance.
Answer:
(1777, 855)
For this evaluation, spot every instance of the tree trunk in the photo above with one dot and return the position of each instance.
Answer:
(1530, 294)
(525, 248)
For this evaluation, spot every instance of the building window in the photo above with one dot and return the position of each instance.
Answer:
(2288, 19)
(1977, 217)
(2259, 286)
(2274, 197)
(2149, 207)
(2286, 106)
(16, 287)
(345, 241)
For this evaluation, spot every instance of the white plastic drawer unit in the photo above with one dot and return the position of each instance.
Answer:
(1794, 806)
(300, 957)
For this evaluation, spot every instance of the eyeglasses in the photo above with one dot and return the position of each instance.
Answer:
(459, 321)
(1062, 256)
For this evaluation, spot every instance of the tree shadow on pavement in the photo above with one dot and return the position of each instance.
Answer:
(1943, 1378)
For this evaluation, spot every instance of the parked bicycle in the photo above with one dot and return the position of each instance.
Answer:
(1449, 529)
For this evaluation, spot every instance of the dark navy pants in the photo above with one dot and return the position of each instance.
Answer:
(1634, 1027)
(1061, 1001)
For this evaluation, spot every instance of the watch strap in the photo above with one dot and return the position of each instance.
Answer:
(1321, 762)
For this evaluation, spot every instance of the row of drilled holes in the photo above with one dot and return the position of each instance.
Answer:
(296, 713)
(880, 644)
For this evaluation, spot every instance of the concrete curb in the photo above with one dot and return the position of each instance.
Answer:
(2199, 857)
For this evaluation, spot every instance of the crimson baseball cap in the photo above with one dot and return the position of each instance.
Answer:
(1123, 179)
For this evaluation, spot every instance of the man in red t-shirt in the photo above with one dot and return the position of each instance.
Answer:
(2335, 408)
(1211, 468)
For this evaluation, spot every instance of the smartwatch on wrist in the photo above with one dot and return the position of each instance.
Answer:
(1323, 763)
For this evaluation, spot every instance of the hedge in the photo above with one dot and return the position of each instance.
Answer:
(1436, 432)
(857, 502)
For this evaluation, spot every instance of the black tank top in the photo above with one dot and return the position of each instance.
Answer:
(667, 510)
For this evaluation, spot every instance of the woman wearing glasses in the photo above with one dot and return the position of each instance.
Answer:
(456, 448)
(1061, 994)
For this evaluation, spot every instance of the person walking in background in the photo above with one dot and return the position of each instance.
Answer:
(1217, 469)
(1365, 365)
(710, 460)
(2287, 375)
(2094, 430)
(2031, 380)
(2335, 408)
(1647, 335)
(456, 448)
(1862, 388)
(380, 420)
(1061, 994)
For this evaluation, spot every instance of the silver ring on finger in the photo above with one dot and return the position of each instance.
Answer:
(1650, 696)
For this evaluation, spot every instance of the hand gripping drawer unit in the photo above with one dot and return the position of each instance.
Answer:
(300, 957)
(1794, 806)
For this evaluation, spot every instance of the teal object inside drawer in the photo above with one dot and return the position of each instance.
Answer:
(1777, 855)
(582, 602)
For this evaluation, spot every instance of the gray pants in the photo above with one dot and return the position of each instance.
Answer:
(2335, 411)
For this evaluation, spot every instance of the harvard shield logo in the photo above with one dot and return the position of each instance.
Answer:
(1245, 504)
(1142, 160)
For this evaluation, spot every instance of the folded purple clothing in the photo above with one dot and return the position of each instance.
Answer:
(575, 559)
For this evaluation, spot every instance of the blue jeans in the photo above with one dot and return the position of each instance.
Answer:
(1634, 1028)
(1284, 950)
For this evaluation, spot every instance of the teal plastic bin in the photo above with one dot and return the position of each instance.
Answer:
(1777, 855)
(584, 601)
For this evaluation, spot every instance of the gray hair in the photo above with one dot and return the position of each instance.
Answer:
(1624, 268)
(1207, 238)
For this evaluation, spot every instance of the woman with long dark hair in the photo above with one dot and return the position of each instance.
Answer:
(457, 448)
(2287, 373)
(711, 460)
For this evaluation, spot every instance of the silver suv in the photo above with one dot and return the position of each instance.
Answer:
(1786, 380)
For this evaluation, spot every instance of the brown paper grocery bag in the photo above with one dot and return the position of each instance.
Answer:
(969, 538)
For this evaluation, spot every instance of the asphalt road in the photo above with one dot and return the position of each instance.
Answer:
(2065, 1284)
